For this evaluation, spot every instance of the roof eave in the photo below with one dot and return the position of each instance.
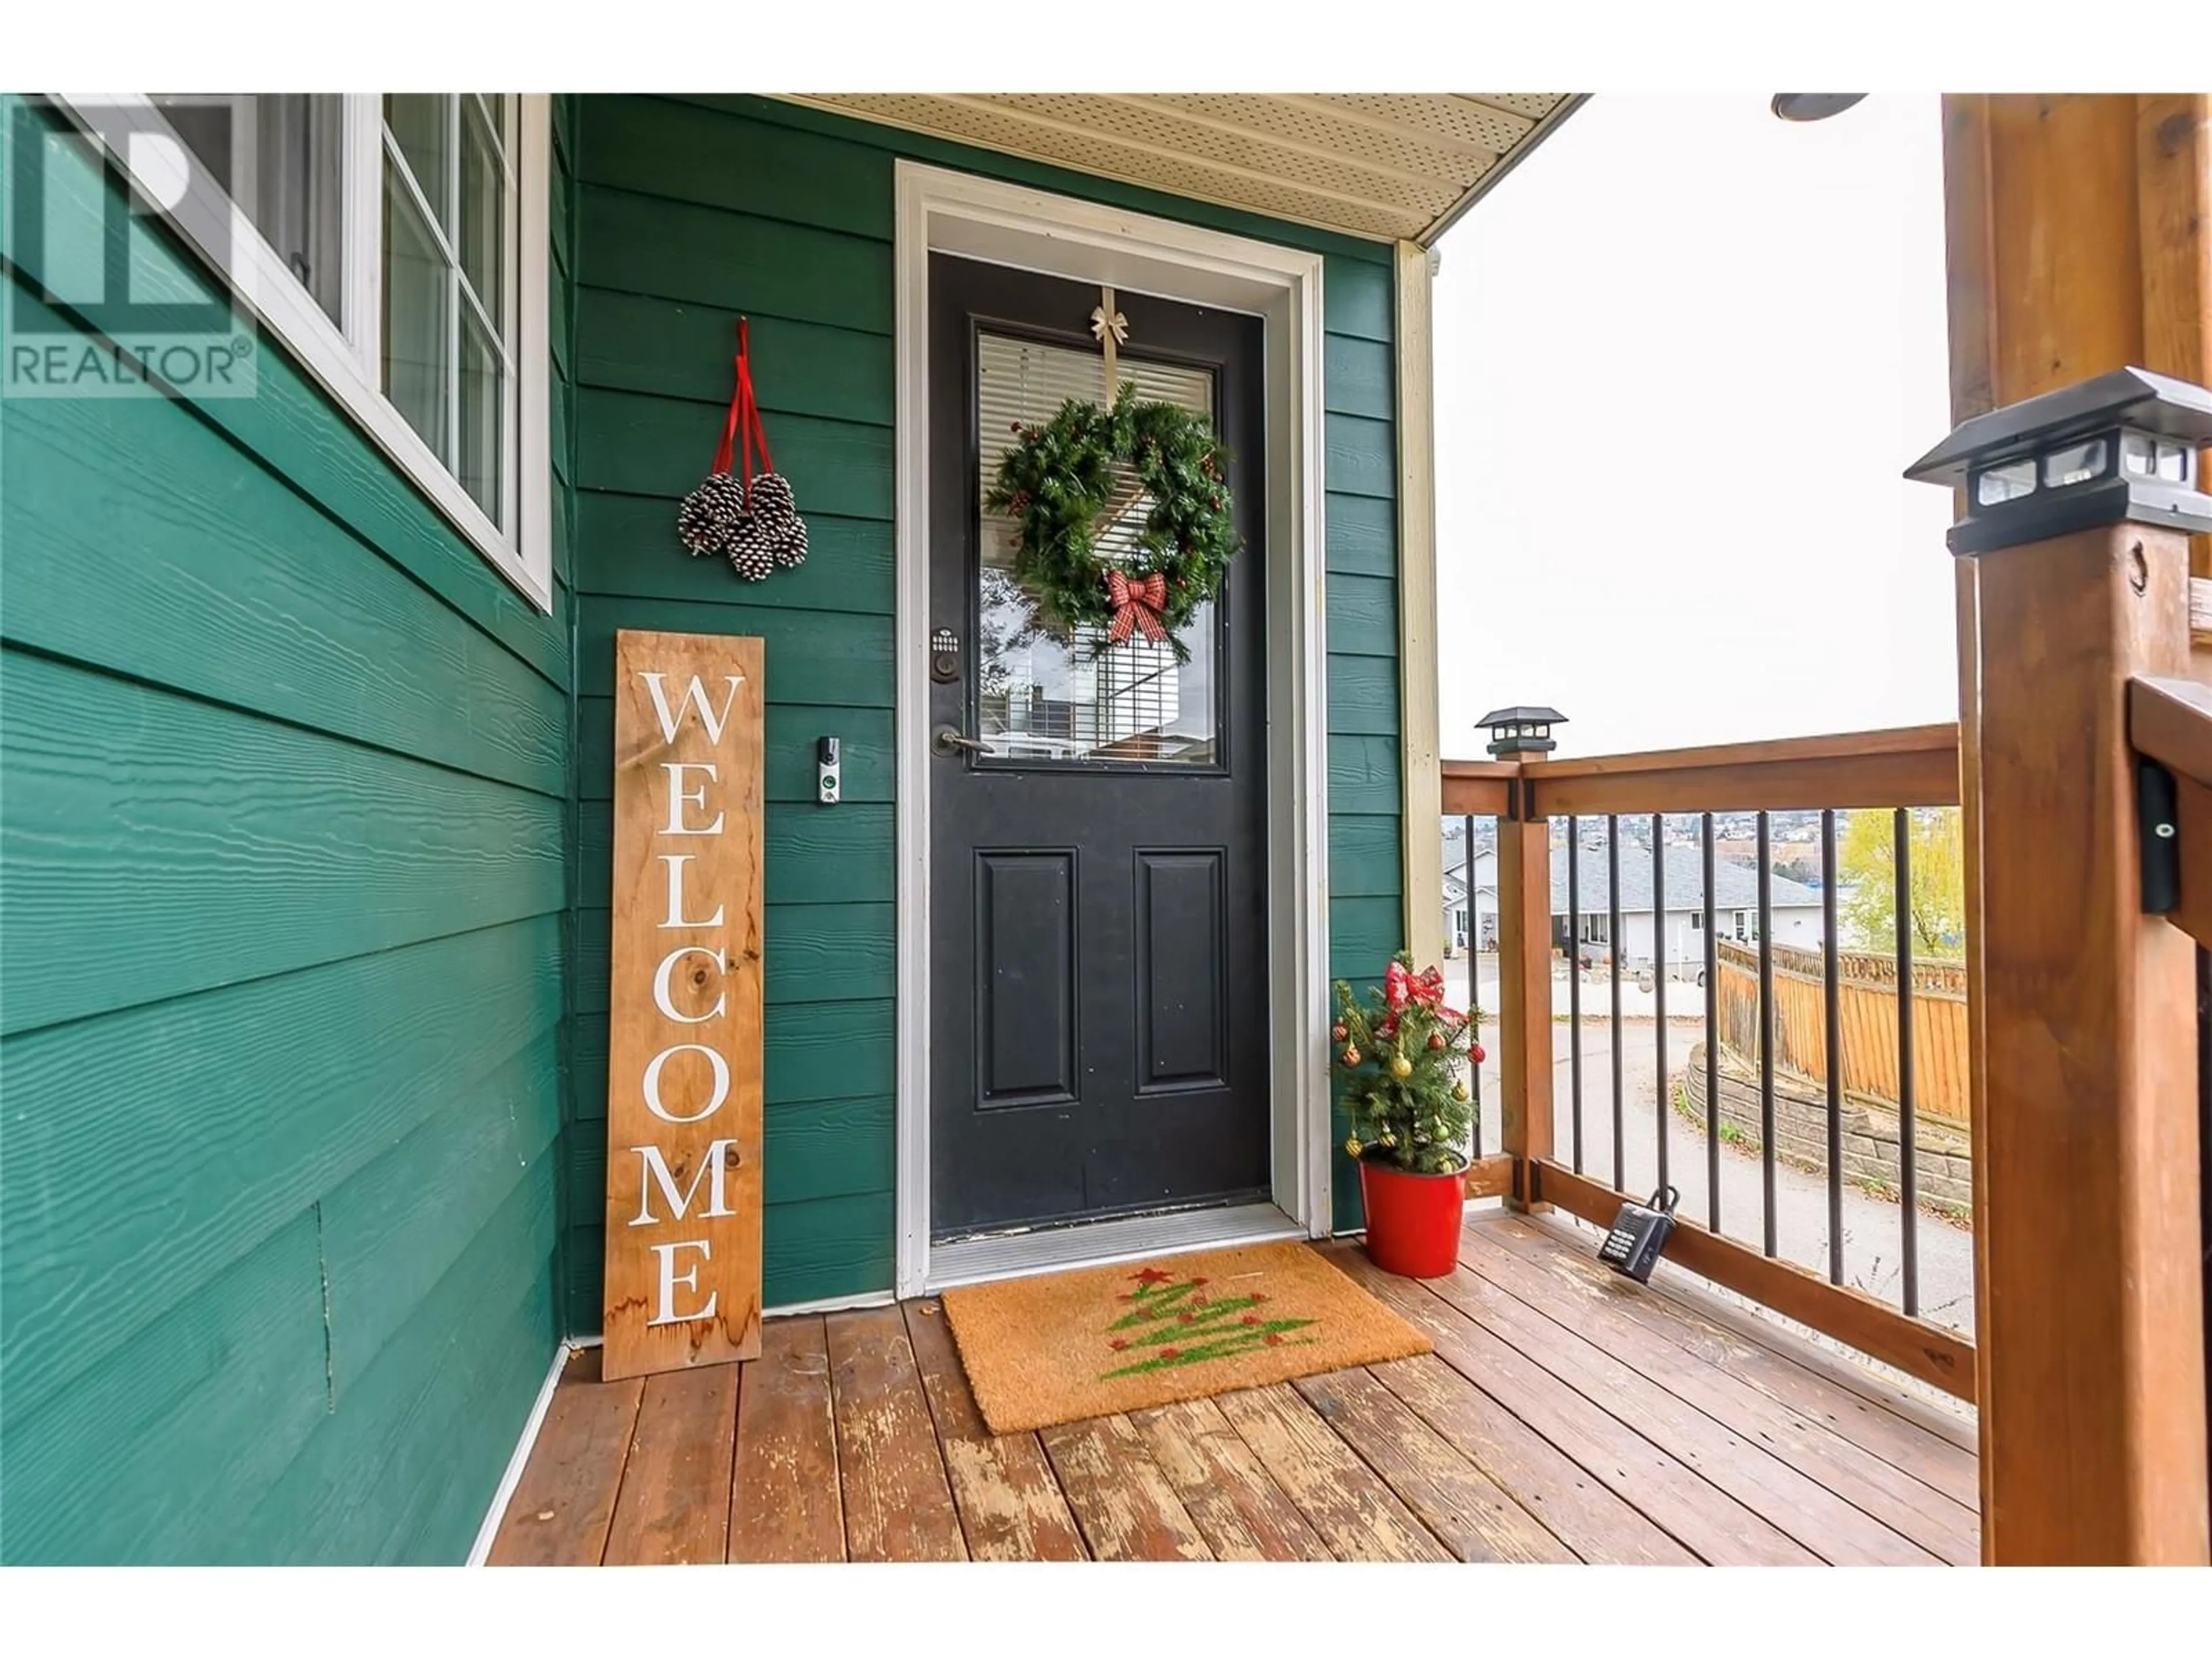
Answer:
(1504, 164)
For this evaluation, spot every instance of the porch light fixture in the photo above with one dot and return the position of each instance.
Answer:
(2121, 446)
(1522, 730)
(1813, 105)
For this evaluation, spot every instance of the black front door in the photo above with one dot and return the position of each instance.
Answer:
(1099, 849)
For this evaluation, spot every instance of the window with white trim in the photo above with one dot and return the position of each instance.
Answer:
(446, 344)
(396, 245)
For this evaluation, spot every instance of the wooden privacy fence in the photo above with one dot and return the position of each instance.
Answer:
(1867, 998)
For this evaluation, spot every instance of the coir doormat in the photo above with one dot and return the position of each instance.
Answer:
(1097, 1340)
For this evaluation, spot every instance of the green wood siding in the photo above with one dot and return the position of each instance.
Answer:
(285, 800)
(688, 212)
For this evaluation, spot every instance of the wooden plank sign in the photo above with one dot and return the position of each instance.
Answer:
(684, 1039)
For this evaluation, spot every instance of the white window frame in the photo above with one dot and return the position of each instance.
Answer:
(346, 362)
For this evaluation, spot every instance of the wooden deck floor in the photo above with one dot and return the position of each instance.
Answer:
(1566, 1415)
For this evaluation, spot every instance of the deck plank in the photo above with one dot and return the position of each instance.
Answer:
(1695, 1294)
(563, 1505)
(675, 1502)
(1126, 1507)
(1245, 1514)
(1357, 1515)
(1455, 1500)
(1906, 1443)
(1599, 1310)
(785, 1497)
(1592, 1520)
(898, 1498)
(1011, 1507)
(1691, 1509)
(1735, 1462)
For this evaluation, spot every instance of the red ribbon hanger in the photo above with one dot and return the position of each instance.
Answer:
(743, 424)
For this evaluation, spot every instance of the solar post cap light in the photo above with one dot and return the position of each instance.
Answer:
(1522, 730)
(2121, 446)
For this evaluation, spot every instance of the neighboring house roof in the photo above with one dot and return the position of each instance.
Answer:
(1736, 886)
(1485, 860)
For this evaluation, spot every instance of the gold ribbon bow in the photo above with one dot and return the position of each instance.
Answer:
(1111, 330)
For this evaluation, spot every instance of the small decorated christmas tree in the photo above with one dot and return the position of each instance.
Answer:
(1400, 1063)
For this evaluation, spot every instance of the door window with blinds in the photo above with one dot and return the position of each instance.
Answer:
(1043, 697)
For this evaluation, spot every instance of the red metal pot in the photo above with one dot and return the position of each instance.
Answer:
(1412, 1220)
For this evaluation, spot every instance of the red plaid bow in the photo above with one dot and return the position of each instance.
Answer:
(1137, 605)
(1400, 988)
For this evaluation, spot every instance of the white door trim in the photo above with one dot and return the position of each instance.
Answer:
(942, 211)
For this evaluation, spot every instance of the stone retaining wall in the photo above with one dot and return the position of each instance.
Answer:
(1943, 1157)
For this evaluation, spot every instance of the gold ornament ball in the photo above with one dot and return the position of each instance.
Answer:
(1352, 1145)
(1401, 1067)
(1459, 1091)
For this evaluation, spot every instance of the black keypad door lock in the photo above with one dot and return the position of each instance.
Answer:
(944, 657)
(1640, 1233)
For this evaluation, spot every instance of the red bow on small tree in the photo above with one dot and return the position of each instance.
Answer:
(1137, 605)
(1401, 987)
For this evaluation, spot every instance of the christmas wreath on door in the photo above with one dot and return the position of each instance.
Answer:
(1070, 482)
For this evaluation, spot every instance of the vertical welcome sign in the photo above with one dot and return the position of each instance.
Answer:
(684, 1039)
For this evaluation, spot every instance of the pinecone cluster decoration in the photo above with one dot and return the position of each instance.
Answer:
(753, 519)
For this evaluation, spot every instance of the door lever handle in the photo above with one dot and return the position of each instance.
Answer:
(950, 740)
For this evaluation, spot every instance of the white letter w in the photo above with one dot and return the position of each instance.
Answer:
(694, 693)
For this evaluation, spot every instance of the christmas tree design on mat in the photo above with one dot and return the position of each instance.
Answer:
(1181, 1325)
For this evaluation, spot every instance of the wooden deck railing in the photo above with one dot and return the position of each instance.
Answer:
(1900, 770)
(2170, 721)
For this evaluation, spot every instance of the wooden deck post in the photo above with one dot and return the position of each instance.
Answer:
(2092, 1324)
(2074, 250)
(1524, 987)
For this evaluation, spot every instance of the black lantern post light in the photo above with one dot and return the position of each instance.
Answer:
(1522, 730)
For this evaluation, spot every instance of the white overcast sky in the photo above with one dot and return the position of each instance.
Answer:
(1683, 354)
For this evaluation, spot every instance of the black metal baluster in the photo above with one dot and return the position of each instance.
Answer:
(1659, 972)
(2204, 1140)
(1575, 979)
(1474, 970)
(1830, 976)
(1712, 1040)
(1766, 1032)
(1613, 958)
(1908, 1156)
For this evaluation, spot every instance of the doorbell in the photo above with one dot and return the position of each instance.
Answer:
(825, 770)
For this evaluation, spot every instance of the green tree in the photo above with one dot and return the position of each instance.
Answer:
(1867, 861)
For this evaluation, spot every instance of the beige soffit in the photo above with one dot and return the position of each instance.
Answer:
(1386, 165)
